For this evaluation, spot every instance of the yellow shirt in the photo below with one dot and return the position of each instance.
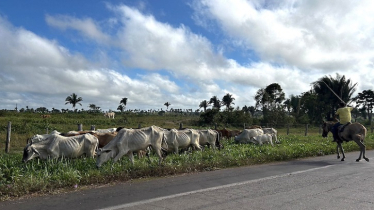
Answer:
(344, 114)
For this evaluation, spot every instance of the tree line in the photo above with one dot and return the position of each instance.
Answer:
(313, 106)
(271, 107)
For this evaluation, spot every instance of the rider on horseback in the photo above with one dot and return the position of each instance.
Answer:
(344, 113)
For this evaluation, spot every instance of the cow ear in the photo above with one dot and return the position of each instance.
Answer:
(34, 150)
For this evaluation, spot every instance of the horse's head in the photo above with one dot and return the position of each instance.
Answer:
(326, 127)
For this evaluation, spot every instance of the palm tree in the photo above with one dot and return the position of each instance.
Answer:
(204, 104)
(122, 104)
(121, 108)
(123, 101)
(216, 102)
(227, 100)
(340, 86)
(167, 104)
(73, 99)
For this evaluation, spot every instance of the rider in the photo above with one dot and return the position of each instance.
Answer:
(344, 113)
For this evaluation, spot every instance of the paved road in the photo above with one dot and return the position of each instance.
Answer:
(313, 183)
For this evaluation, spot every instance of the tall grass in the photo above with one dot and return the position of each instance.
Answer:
(47, 176)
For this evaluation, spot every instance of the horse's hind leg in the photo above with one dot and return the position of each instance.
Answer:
(362, 151)
(337, 151)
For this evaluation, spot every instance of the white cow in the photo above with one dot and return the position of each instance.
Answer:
(181, 139)
(41, 137)
(247, 135)
(55, 146)
(107, 130)
(109, 115)
(264, 138)
(272, 131)
(209, 137)
(128, 141)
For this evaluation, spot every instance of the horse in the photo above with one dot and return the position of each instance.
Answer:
(352, 132)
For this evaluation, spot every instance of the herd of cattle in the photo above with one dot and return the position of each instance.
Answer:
(113, 143)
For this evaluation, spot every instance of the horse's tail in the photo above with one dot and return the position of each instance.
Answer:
(361, 132)
(363, 135)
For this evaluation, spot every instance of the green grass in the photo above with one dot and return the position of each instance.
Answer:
(47, 176)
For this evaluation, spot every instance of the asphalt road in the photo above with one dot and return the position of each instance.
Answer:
(312, 183)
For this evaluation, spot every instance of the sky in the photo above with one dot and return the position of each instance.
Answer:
(177, 51)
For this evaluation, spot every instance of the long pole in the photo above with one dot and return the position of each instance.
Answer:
(7, 144)
(335, 93)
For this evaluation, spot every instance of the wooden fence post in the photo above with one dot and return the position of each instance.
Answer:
(139, 126)
(306, 129)
(288, 129)
(80, 127)
(92, 127)
(180, 126)
(7, 144)
(47, 130)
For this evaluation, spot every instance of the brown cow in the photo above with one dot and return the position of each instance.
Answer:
(224, 133)
(234, 133)
(253, 127)
(104, 138)
(45, 116)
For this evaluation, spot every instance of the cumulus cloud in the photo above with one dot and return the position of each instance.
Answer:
(40, 73)
(151, 62)
(310, 35)
(86, 26)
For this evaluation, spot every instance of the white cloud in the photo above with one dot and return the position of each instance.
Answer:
(297, 42)
(86, 26)
(310, 35)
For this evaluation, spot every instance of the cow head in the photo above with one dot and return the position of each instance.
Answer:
(29, 153)
(103, 155)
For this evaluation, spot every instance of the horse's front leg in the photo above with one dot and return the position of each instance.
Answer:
(337, 151)
(342, 150)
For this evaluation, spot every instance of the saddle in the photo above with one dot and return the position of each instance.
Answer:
(341, 129)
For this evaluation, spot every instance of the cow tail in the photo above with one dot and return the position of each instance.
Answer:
(218, 145)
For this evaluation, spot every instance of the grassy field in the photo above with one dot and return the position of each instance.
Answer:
(49, 176)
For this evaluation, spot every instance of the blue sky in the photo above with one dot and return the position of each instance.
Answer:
(181, 52)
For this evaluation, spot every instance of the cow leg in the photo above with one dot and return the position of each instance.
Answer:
(213, 143)
(52, 150)
(131, 157)
(197, 146)
(158, 152)
(122, 150)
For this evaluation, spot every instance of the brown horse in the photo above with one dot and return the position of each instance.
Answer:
(352, 132)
